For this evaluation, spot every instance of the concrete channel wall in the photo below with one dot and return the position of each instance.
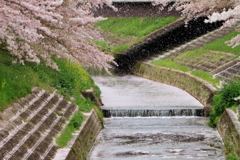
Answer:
(84, 140)
(228, 126)
(229, 129)
(29, 127)
(198, 88)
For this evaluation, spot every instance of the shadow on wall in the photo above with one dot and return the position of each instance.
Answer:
(157, 45)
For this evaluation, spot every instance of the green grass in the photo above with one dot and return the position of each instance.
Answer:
(134, 26)
(171, 64)
(120, 48)
(17, 80)
(194, 53)
(220, 45)
(74, 125)
(206, 76)
(234, 108)
(232, 158)
(198, 73)
(224, 99)
(102, 44)
(104, 47)
(198, 53)
(232, 149)
(125, 27)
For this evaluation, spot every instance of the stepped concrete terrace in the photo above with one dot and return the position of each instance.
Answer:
(195, 43)
(28, 128)
(228, 71)
(162, 41)
(226, 68)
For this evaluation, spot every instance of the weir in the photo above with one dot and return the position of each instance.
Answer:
(152, 113)
(148, 120)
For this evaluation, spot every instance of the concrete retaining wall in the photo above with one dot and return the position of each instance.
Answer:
(82, 141)
(29, 127)
(86, 138)
(228, 126)
(198, 88)
(229, 129)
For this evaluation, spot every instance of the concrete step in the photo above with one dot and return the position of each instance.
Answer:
(231, 71)
(226, 66)
(195, 44)
(28, 127)
(11, 115)
(50, 153)
(224, 75)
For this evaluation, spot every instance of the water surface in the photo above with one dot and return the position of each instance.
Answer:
(152, 138)
(135, 92)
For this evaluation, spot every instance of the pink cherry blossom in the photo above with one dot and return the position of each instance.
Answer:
(36, 29)
(214, 10)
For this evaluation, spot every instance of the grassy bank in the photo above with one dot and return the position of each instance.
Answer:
(16, 80)
(121, 33)
(224, 99)
(220, 45)
(221, 118)
(73, 125)
(212, 54)
(198, 73)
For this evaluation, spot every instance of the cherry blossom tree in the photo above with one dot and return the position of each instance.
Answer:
(214, 10)
(37, 29)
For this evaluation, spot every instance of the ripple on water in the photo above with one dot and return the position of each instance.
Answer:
(157, 141)
(152, 138)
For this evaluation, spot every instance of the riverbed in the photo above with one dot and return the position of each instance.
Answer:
(152, 137)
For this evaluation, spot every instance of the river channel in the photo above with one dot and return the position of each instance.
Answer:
(148, 120)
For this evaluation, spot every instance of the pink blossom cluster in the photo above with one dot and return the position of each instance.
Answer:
(215, 10)
(35, 29)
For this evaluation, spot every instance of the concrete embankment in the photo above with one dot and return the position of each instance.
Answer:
(198, 88)
(29, 127)
(228, 126)
(83, 140)
(229, 129)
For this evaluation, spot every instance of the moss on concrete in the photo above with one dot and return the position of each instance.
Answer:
(229, 128)
(198, 88)
(86, 138)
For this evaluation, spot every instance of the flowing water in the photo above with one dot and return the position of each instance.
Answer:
(148, 120)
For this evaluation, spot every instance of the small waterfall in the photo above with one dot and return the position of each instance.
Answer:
(154, 121)
(152, 113)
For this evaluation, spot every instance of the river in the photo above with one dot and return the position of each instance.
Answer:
(177, 131)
